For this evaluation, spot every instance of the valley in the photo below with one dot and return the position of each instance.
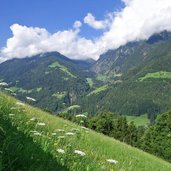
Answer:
(85, 85)
(125, 81)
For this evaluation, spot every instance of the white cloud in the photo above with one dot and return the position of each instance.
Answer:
(77, 24)
(136, 21)
(29, 41)
(91, 21)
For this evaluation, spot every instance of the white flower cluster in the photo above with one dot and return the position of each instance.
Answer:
(60, 151)
(11, 114)
(20, 104)
(36, 133)
(3, 84)
(60, 130)
(33, 119)
(70, 133)
(81, 116)
(41, 124)
(81, 153)
(112, 161)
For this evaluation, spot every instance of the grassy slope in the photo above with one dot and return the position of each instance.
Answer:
(62, 68)
(98, 90)
(97, 147)
(157, 75)
(139, 120)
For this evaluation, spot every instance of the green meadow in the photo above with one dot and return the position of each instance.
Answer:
(156, 75)
(139, 120)
(62, 68)
(98, 90)
(35, 140)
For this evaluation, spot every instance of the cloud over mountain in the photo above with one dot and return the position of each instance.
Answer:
(91, 21)
(136, 21)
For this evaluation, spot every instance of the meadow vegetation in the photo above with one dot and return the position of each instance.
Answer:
(141, 120)
(33, 136)
(156, 75)
(98, 90)
(62, 68)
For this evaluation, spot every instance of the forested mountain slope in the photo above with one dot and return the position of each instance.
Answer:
(53, 80)
(138, 77)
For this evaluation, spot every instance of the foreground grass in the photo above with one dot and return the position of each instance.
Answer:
(19, 152)
(139, 120)
(52, 135)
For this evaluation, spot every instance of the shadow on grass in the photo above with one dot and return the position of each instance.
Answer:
(19, 153)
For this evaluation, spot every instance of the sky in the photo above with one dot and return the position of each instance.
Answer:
(78, 29)
(54, 15)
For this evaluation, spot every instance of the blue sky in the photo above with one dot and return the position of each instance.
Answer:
(78, 29)
(53, 15)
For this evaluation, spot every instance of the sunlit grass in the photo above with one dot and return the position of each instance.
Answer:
(156, 75)
(76, 147)
(62, 68)
(98, 90)
(139, 120)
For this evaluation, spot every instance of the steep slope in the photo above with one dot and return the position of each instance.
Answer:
(139, 79)
(133, 79)
(68, 145)
(115, 63)
(52, 79)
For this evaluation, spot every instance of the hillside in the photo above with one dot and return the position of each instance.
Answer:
(64, 145)
(131, 80)
(118, 62)
(138, 75)
(53, 80)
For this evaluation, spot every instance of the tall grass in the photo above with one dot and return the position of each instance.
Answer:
(68, 145)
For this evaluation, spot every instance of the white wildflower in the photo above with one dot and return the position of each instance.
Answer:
(14, 94)
(41, 124)
(13, 108)
(70, 133)
(81, 153)
(29, 98)
(54, 133)
(75, 129)
(20, 104)
(33, 119)
(60, 151)
(33, 131)
(61, 137)
(112, 161)
(81, 116)
(84, 128)
(37, 133)
(3, 84)
(60, 130)
(11, 114)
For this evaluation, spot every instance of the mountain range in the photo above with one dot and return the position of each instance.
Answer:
(134, 79)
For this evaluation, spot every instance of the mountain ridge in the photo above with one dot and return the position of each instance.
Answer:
(111, 83)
